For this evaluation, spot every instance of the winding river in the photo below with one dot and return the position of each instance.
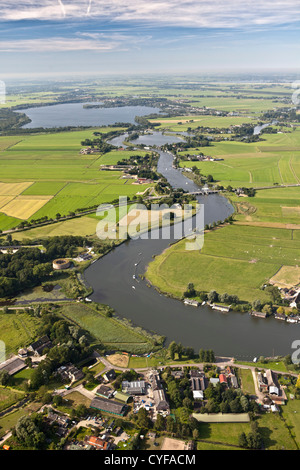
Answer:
(232, 334)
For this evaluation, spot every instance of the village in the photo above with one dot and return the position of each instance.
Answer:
(128, 406)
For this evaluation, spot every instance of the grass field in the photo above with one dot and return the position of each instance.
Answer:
(8, 397)
(274, 160)
(43, 175)
(17, 330)
(10, 420)
(247, 381)
(108, 331)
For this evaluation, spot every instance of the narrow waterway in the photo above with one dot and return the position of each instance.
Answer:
(231, 334)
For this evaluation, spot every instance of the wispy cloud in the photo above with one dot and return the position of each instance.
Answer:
(194, 13)
(94, 41)
(59, 44)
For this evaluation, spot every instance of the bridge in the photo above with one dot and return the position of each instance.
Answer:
(203, 192)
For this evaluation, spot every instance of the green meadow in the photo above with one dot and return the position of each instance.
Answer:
(108, 331)
(234, 259)
(263, 163)
(17, 330)
(52, 163)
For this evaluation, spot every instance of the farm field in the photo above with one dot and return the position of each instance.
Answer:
(8, 397)
(43, 175)
(17, 330)
(108, 331)
(270, 207)
(273, 161)
(82, 226)
(244, 257)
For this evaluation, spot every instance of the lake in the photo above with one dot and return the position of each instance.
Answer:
(74, 114)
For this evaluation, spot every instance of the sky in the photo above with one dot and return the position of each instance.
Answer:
(49, 38)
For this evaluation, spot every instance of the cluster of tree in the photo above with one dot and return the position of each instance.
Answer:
(221, 400)
(269, 130)
(250, 192)
(207, 355)
(71, 344)
(179, 350)
(10, 120)
(228, 220)
(244, 130)
(282, 115)
(99, 143)
(267, 307)
(163, 187)
(211, 296)
(28, 267)
(31, 432)
(177, 196)
(252, 440)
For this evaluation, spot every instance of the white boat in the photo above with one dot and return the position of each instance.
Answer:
(133, 287)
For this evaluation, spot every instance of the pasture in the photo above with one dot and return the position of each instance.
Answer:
(17, 330)
(108, 331)
(276, 160)
(234, 259)
(45, 174)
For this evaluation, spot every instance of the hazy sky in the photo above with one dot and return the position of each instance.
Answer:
(129, 36)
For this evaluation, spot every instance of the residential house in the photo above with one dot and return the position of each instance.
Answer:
(110, 375)
(40, 345)
(98, 443)
(70, 373)
(105, 392)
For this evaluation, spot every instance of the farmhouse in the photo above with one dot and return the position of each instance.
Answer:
(108, 406)
(38, 346)
(104, 391)
(61, 421)
(269, 384)
(159, 396)
(70, 373)
(97, 442)
(223, 379)
(177, 374)
(110, 375)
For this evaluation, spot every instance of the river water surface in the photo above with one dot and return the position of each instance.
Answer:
(232, 334)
